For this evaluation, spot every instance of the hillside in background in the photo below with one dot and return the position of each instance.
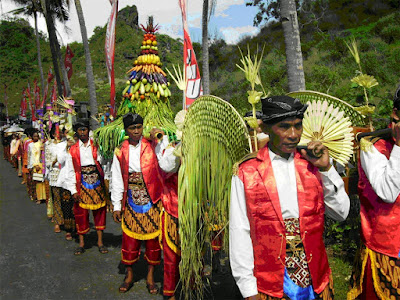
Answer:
(328, 65)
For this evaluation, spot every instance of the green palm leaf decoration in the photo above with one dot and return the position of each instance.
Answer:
(356, 118)
(215, 137)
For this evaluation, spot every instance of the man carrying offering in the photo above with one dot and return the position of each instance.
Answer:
(137, 187)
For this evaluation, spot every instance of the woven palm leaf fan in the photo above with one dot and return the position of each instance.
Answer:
(214, 138)
(356, 118)
(324, 123)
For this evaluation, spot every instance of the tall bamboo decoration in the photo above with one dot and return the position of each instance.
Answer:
(146, 93)
(251, 68)
(363, 80)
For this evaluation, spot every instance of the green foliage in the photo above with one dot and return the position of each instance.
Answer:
(328, 65)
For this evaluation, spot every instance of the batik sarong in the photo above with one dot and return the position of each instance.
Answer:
(58, 216)
(142, 218)
(377, 276)
(92, 193)
(297, 279)
(67, 205)
(141, 221)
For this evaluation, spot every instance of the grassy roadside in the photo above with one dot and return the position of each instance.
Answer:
(341, 270)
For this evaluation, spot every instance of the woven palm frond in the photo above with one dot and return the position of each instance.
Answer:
(322, 122)
(356, 118)
(214, 138)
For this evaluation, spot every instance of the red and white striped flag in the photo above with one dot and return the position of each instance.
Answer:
(33, 113)
(50, 77)
(110, 51)
(23, 106)
(53, 98)
(194, 88)
(68, 61)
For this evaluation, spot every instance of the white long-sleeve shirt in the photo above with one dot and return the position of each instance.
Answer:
(117, 184)
(62, 154)
(383, 173)
(337, 205)
(52, 172)
(86, 157)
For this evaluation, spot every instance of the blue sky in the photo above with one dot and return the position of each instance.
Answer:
(232, 19)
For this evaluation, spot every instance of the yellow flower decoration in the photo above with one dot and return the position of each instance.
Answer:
(252, 121)
(365, 109)
(365, 80)
(254, 97)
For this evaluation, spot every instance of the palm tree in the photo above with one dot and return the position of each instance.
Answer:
(88, 60)
(294, 58)
(56, 9)
(31, 8)
(208, 11)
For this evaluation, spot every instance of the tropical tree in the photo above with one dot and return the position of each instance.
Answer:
(294, 58)
(285, 10)
(88, 61)
(208, 11)
(56, 9)
(32, 8)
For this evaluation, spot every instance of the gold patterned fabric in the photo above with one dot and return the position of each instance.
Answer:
(138, 190)
(385, 275)
(93, 195)
(296, 260)
(141, 225)
(172, 233)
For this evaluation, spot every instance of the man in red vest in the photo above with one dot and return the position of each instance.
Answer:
(279, 197)
(378, 275)
(137, 188)
(85, 181)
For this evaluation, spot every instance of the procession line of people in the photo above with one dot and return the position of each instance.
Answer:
(279, 199)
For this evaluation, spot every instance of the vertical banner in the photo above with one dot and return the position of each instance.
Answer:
(68, 61)
(28, 91)
(53, 98)
(194, 88)
(50, 77)
(23, 106)
(6, 102)
(110, 51)
(37, 95)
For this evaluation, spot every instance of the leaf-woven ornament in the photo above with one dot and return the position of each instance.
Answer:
(214, 138)
(322, 122)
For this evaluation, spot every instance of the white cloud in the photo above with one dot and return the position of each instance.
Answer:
(233, 34)
(166, 13)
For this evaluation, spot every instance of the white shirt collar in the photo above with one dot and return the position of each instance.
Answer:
(138, 144)
(81, 144)
(273, 155)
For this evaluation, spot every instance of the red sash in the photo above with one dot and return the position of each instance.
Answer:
(380, 221)
(76, 160)
(150, 170)
(267, 228)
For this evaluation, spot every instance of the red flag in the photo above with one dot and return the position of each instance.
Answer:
(23, 107)
(68, 61)
(50, 77)
(37, 95)
(53, 98)
(28, 91)
(6, 101)
(110, 51)
(194, 88)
